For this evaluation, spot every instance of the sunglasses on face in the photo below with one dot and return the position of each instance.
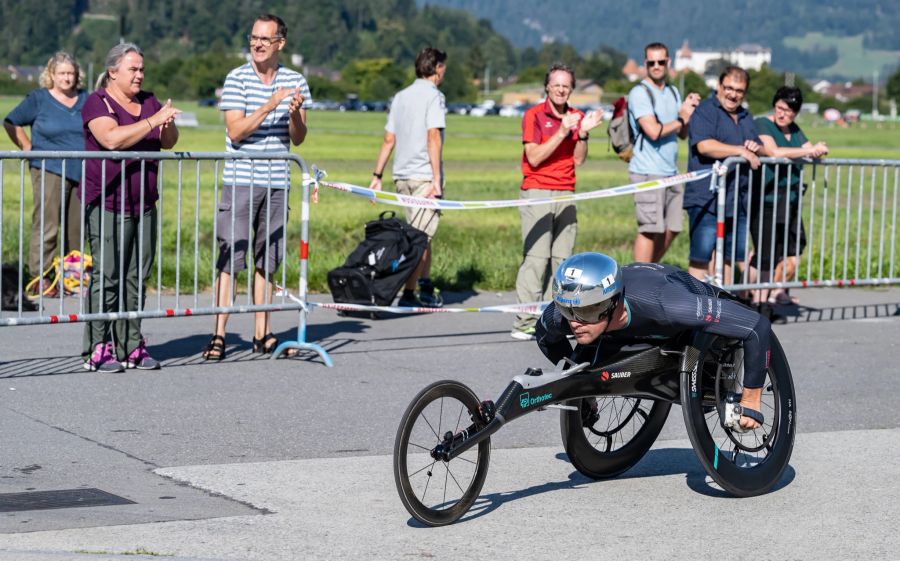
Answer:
(588, 314)
(652, 63)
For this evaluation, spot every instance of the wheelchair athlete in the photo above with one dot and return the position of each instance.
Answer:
(595, 300)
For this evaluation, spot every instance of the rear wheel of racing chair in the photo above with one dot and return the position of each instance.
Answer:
(436, 492)
(608, 440)
(742, 463)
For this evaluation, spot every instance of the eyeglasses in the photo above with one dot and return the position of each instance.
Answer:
(785, 110)
(264, 41)
(652, 63)
(588, 314)
(736, 91)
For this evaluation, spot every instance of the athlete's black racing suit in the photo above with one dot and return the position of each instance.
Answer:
(663, 302)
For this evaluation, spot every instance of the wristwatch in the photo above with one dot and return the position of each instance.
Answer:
(585, 137)
(376, 174)
(680, 120)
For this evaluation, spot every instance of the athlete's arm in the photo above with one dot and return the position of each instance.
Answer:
(725, 317)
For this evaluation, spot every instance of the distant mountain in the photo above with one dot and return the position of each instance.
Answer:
(812, 28)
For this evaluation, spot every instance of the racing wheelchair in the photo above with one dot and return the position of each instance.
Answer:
(610, 415)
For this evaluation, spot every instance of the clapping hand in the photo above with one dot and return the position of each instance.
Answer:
(280, 95)
(296, 101)
(166, 115)
(591, 120)
(570, 122)
(689, 105)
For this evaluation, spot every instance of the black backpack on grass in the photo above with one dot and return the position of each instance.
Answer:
(380, 264)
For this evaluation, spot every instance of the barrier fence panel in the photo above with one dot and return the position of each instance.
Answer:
(138, 252)
(807, 223)
(829, 223)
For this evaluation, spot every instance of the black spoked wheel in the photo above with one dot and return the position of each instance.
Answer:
(749, 463)
(608, 435)
(436, 492)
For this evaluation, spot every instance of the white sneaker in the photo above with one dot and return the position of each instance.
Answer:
(526, 334)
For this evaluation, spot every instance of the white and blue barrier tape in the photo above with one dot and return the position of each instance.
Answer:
(441, 204)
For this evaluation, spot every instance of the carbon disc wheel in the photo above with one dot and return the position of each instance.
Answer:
(608, 439)
(749, 463)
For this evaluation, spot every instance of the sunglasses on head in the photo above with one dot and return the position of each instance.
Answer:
(588, 314)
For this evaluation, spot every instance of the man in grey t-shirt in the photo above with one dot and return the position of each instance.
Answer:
(415, 132)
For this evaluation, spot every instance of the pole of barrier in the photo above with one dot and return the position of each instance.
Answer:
(720, 227)
(301, 342)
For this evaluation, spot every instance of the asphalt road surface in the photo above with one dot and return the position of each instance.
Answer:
(264, 460)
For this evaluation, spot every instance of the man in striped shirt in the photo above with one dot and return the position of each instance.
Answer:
(265, 110)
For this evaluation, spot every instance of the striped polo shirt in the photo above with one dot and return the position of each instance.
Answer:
(244, 91)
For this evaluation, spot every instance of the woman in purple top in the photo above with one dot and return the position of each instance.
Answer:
(54, 114)
(121, 212)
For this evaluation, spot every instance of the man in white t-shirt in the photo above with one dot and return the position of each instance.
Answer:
(658, 118)
(265, 112)
(415, 132)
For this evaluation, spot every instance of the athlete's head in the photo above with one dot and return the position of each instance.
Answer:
(586, 290)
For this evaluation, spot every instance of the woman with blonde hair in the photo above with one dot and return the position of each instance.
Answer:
(54, 114)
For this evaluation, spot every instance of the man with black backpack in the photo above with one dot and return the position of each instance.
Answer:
(657, 117)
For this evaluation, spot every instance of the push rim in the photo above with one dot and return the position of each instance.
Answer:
(743, 464)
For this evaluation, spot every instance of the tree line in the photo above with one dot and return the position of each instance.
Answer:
(191, 45)
(709, 24)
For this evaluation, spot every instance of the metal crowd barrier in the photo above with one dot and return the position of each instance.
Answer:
(848, 212)
(187, 295)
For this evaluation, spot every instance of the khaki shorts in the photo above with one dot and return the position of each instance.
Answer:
(658, 210)
(425, 219)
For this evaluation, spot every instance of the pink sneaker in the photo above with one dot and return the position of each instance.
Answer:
(141, 359)
(103, 359)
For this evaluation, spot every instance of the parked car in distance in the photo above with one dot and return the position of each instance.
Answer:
(381, 106)
(512, 110)
(325, 105)
(484, 108)
(459, 108)
(208, 102)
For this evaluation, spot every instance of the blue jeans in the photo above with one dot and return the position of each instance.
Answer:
(703, 234)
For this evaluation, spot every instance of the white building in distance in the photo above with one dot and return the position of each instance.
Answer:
(747, 56)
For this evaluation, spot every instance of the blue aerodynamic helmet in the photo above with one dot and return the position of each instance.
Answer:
(587, 287)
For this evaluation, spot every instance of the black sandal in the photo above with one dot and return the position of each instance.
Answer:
(262, 345)
(215, 349)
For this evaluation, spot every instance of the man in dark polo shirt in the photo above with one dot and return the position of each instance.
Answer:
(720, 128)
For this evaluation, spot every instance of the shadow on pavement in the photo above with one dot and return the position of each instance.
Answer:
(656, 463)
(185, 351)
(794, 313)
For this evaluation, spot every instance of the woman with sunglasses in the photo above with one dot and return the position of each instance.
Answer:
(600, 304)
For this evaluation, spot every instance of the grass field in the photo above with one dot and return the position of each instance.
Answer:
(474, 249)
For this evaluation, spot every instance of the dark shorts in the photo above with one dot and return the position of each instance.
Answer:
(703, 234)
(790, 243)
(263, 214)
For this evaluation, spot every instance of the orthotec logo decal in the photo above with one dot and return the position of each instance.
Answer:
(526, 400)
